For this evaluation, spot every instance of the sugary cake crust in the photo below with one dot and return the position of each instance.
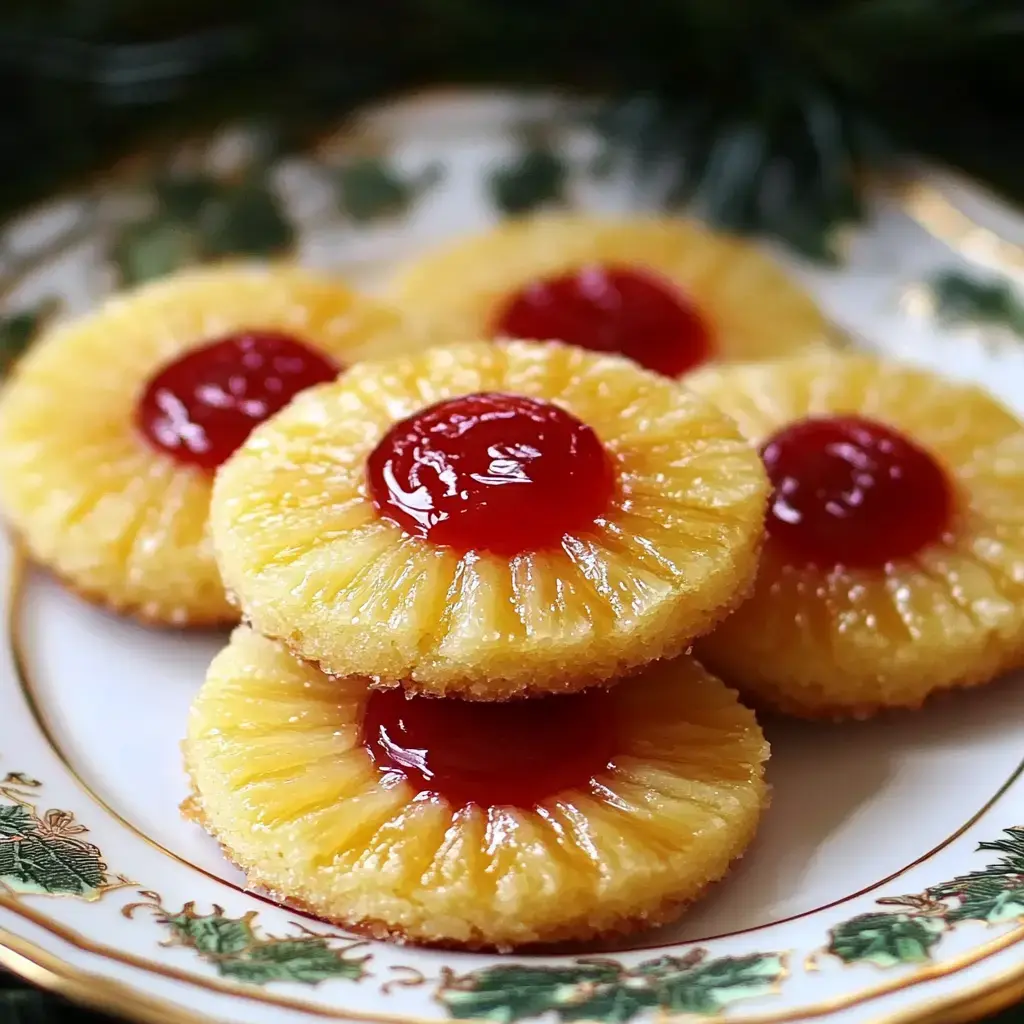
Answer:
(664, 913)
(216, 615)
(482, 687)
(788, 702)
(661, 641)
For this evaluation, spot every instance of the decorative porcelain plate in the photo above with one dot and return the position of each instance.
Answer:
(887, 882)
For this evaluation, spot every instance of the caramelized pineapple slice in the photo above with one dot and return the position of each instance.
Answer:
(119, 520)
(282, 777)
(849, 636)
(313, 560)
(669, 293)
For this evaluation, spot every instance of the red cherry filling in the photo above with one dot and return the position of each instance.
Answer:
(850, 491)
(201, 407)
(608, 309)
(517, 753)
(491, 472)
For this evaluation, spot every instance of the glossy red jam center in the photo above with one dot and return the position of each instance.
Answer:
(608, 309)
(201, 407)
(491, 472)
(850, 491)
(517, 753)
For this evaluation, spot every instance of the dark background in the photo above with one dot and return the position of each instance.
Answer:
(798, 98)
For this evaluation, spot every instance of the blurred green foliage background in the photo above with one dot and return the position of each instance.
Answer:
(768, 111)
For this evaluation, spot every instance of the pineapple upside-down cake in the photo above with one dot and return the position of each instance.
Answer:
(894, 559)
(490, 520)
(112, 425)
(668, 293)
(469, 823)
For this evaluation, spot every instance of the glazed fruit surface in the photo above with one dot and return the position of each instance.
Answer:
(121, 521)
(491, 472)
(313, 561)
(847, 490)
(828, 639)
(619, 310)
(517, 752)
(200, 407)
(668, 293)
(282, 778)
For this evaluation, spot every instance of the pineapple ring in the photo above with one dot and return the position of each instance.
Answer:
(750, 306)
(280, 777)
(121, 522)
(313, 563)
(846, 642)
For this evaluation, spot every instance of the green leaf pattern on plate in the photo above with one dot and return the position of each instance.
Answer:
(995, 893)
(18, 330)
(606, 991)
(960, 299)
(196, 217)
(536, 177)
(43, 854)
(240, 950)
(886, 939)
(371, 189)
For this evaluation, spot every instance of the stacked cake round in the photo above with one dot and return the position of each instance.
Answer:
(450, 717)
